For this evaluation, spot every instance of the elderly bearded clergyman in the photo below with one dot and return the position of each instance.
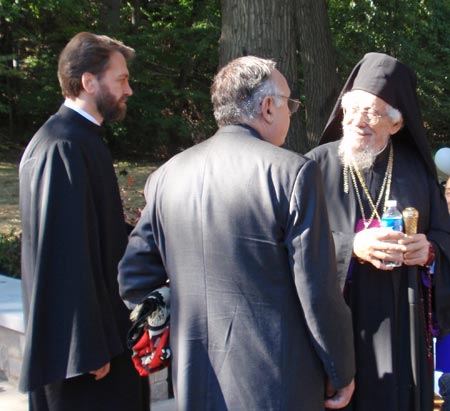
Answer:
(374, 148)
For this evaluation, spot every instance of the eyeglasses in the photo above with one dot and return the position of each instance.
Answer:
(292, 103)
(370, 117)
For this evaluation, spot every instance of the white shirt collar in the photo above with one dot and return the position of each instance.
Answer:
(70, 104)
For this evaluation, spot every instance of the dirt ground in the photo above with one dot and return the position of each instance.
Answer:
(131, 178)
(9, 197)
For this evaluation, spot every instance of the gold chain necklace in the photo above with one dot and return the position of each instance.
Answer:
(386, 185)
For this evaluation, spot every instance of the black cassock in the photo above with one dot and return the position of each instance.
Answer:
(73, 237)
(379, 299)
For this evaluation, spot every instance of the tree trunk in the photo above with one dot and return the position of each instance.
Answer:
(264, 28)
(110, 15)
(321, 83)
(8, 56)
(136, 14)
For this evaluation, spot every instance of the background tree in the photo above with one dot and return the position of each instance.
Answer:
(177, 43)
(263, 28)
(109, 17)
(318, 65)
(414, 31)
(32, 34)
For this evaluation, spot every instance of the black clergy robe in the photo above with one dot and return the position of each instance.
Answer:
(73, 237)
(379, 299)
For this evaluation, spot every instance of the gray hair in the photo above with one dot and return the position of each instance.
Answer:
(240, 87)
(349, 97)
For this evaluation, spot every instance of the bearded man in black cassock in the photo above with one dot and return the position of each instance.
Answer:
(373, 149)
(73, 235)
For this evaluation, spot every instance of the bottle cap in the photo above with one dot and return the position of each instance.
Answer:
(391, 203)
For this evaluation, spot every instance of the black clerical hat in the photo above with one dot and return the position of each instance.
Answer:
(395, 83)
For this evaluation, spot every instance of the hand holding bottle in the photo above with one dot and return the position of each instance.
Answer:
(375, 245)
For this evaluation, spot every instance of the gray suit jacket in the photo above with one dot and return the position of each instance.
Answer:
(240, 228)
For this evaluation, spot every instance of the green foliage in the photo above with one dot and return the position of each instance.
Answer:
(414, 31)
(10, 254)
(176, 48)
(176, 45)
(177, 55)
(32, 35)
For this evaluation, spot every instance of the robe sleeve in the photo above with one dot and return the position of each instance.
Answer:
(439, 235)
(313, 264)
(343, 243)
(343, 240)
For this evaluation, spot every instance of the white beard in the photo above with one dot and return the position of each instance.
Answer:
(363, 158)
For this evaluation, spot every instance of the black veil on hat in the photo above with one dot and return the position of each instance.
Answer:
(395, 83)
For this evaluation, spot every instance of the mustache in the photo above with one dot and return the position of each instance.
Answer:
(358, 130)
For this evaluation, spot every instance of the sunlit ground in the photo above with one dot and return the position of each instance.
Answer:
(131, 178)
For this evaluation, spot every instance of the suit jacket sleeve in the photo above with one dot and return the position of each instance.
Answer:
(141, 270)
(312, 259)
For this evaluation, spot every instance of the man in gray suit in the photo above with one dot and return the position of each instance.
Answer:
(239, 227)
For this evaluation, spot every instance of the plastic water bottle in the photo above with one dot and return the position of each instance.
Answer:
(392, 218)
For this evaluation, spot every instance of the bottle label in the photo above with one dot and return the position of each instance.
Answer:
(395, 224)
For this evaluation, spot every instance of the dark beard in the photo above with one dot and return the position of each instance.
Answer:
(109, 107)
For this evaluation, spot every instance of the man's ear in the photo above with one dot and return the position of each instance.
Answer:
(267, 109)
(395, 128)
(89, 82)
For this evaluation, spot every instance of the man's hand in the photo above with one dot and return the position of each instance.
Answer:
(417, 249)
(101, 372)
(339, 398)
(376, 245)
